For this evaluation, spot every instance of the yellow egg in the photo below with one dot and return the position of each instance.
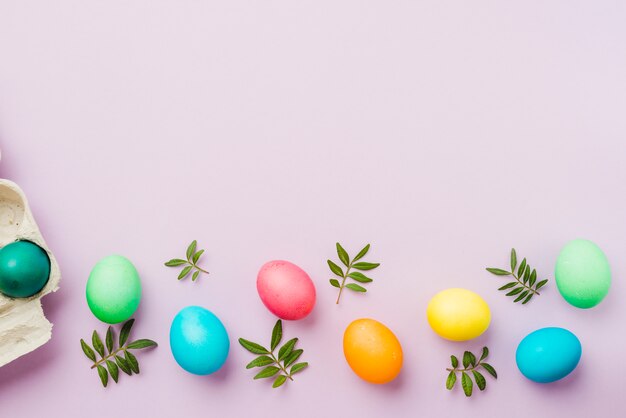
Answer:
(372, 351)
(458, 314)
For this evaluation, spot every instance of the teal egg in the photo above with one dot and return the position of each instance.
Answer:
(548, 354)
(199, 340)
(582, 274)
(113, 289)
(24, 269)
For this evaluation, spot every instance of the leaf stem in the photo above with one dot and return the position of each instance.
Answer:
(524, 285)
(201, 269)
(107, 357)
(464, 370)
(343, 283)
(281, 367)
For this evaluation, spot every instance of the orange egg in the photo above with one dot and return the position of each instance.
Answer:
(372, 351)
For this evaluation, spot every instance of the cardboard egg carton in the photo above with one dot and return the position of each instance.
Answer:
(23, 326)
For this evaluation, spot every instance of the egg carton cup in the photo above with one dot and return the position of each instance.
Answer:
(23, 326)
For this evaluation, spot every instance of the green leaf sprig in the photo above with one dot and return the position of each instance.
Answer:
(354, 275)
(525, 285)
(470, 366)
(115, 358)
(191, 263)
(283, 364)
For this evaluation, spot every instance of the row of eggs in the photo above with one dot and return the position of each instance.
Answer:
(200, 343)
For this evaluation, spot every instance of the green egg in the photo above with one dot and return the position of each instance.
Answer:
(582, 274)
(24, 269)
(113, 289)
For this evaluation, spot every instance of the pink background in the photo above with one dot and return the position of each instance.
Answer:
(442, 132)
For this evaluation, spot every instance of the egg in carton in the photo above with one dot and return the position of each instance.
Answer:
(23, 326)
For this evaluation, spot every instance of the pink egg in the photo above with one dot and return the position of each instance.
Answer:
(286, 290)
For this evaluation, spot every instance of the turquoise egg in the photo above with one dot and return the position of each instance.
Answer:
(582, 274)
(199, 341)
(548, 354)
(24, 269)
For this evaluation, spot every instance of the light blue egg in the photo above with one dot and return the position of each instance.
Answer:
(548, 354)
(198, 340)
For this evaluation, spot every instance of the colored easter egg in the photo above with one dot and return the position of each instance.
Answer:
(24, 269)
(458, 314)
(286, 290)
(113, 289)
(582, 274)
(548, 354)
(372, 351)
(199, 341)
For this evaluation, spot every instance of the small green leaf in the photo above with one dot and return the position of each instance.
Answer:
(466, 383)
(455, 362)
(109, 340)
(525, 288)
(528, 298)
(484, 354)
(193, 257)
(291, 358)
(359, 277)
(142, 343)
(88, 351)
(184, 272)
(277, 334)
(356, 287)
(522, 267)
(335, 268)
(272, 363)
(498, 272)
(451, 380)
(97, 343)
(343, 255)
(113, 370)
(508, 285)
(260, 361)
(253, 347)
(269, 371)
(298, 367)
(174, 262)
(489, 368)
(279, 381)
(365, 266)
(104, 376)
(521, 296)
(362, 253)
(515, 291)
(468, 358)
(513, 259)
(286, 349)
(480, 380)
(197, 256)
(132, 361)
(335, 282)
(125, 332)
(123, 364)
(191, 249)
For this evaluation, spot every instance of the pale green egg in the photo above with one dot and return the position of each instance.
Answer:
(113, 289)
(582, 274)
